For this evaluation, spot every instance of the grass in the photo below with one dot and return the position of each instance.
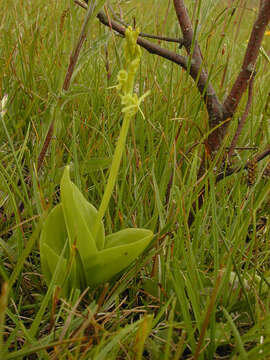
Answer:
(198, 292)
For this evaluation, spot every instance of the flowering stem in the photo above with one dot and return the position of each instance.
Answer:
(130, 105)
(113, 172)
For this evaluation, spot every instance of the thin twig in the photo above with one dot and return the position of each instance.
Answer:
(75, 54)
(73, 61)
(180, 41)
(231, 171)
(45, 145)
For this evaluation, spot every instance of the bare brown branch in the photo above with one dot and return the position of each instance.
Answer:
(187, 29)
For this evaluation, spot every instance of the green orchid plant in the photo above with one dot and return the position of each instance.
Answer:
(74, 250)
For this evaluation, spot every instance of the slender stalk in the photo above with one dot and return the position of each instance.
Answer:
(113, 172)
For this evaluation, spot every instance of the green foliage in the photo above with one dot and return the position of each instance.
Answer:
(207, 284)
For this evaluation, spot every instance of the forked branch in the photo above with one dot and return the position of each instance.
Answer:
(218, 112)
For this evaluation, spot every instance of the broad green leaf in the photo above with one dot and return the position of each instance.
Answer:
(52, 242)
(126, 246)
(126, 236)
(80, 217)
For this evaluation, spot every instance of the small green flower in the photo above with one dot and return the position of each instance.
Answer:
(131, 103)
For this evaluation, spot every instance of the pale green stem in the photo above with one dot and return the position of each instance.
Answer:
(113, 172)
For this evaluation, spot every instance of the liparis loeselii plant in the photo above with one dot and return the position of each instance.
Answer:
(75, 253)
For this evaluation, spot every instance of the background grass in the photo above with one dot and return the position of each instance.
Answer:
(198, 292)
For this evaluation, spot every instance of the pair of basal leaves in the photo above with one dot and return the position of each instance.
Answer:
(73, 255)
